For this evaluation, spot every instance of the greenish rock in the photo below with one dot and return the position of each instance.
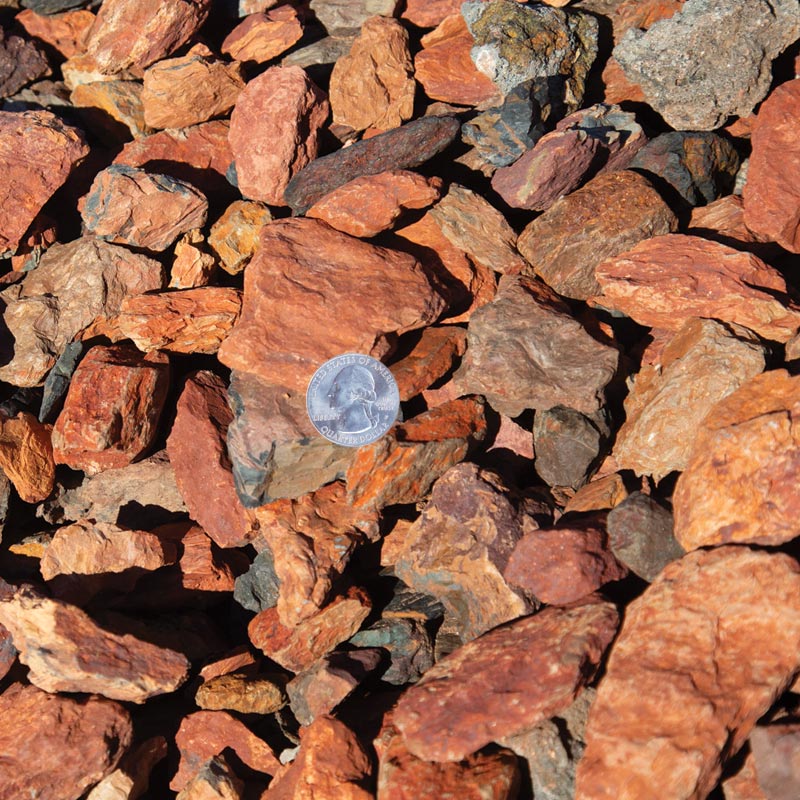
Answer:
(408, 643)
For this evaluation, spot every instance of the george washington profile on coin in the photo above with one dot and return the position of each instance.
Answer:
(352, 399)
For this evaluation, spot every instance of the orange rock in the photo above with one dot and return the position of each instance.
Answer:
(234, 236)
(373, 86)
(371, 204)
(262, 36)
(247, 694)
(192, 266)
(641, 14)
(132, 776)
(240, 659)
(617, 88)
(429, 13)
(432, 357)
(598, 495)
(26, 456)
(445, 69)
(110, 107)
(65, 32)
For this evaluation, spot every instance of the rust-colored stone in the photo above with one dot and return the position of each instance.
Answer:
(65, 32)
(234, 236)
(431, 359)
(109, 107)
(262, 36)
(26, 456)
(247, 694)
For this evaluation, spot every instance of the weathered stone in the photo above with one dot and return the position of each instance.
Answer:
(65, 32)
(26, 456)
(257, 589)
(215, 780)
(38, 151)
(204, 567)
(405, 147)
(198, 454)
(668, 279)
(234, 236)
(246, 694)
(708, 62)
(775, 753)
(431, 359)
(131, 206)
(461, 704)
(480, 230)
(429, 13)
(702, 363)
(22, 61)
(641, 537)
(600, 494)
(111, 109)
(111, 411)
(270, 148)
(193, 266)
(298, 648)
(132, 777)
(136, 33)
(368, 205)
(325, 51)
(239, 659)
(526, 350)
(640, 14)
(373, 85)
(699, 167)
(737, 485)
(66, 651)
(69, 744)
(339, 16)
(262, 36)
(179, 92)
(561, 565)
(674, 703)
(770, 194)
(205, 734)
(303, 263)
(613, 212)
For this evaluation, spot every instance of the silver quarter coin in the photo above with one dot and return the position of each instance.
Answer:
(353, 399)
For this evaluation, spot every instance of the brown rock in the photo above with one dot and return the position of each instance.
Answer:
(204, 567)
(331, 763)
(205, 734)
(429, 13)
(64, 32)
(187, 321)
(305, 264)
(234, 236)
(22, 61)
(703, 362)
(262, 36)
(675, 703)
(445, 69)
(247, 694)
(723, 221)
(90, 548)
(198, 453)
(179, 92)
(240, 659)
(193, 266)
(112, 109)
(737, 486)
(136, 33)
(131, 206)
(432, 358)
(462, 703)
(373, 86)
(69, 743)
(770, 195)
(38, 151)
(598, 495)
(26, 456)
(132, 776)
(774, 751)
(111, 411)
(743, 785)
(214, 780)
(298, 648)
(66, 651)
(270, 148)
(665, 280)
(480, 230)
(526, 350)
(613, 212)
(371, 204)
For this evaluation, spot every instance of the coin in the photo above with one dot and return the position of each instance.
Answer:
(352, 399)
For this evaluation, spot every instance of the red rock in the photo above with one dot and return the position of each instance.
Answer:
(270, 148)
(198, 453)
(462, 703)
(205, 734)
(240, 659)
(38, 152)
(432, 357)
(179, 92)
(675, 702)
(66, 651)
(304, 264)
(204, 567)
(770, 195)
(130, 206)
(22, 61)
(112, 408)
(187, 321)
(373, 85)
(429, 13)
(738, 484)
(371, 204)
(136, 33)
(247, 694)
(445, 69)
(26, 456)
(263, 36)
(64, 32)
(234, 236)
(132, 776)
(69, 743)
(193, 266)
(331, 763)
(112, 109)
(665, 280)
(298, 648)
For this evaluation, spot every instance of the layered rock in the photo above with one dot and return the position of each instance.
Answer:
(26, 456)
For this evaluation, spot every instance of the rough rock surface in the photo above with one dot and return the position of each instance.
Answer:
(243, 693)
(708, 62)
(214, 780)
(109, 107)
(262, 36)
(22, 61)
(675, 704)
(64, 32)
(461, 703)
(431, 359)
(341, 16)
(234, 236)
(524, 350)
(774, 750)
(26, 456)
(650, 284)
(132, 775)
(270, 148)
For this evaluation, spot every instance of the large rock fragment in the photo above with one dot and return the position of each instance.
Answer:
(26, 456)
(22, 61)
(234, 236)
(262, 36)
(340, 17)
(675, 702)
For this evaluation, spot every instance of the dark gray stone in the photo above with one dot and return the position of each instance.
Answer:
(258, 588)
(408, 643)
(57, 381)
(56, 6)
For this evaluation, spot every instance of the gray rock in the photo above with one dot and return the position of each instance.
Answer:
(349, 15)
(54, 6)
(324, 51)
(258, 588)
(57, 381)
(710, 60)
(408, 643)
